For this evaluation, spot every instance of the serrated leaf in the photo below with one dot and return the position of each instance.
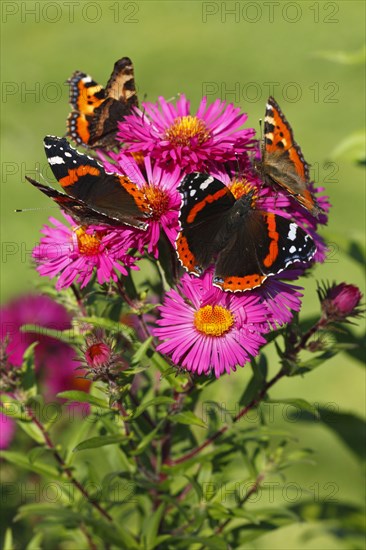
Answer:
(187, 417)
(162, 400)
(100, 441)
(297, 403)
(22, 461)
(83, 397)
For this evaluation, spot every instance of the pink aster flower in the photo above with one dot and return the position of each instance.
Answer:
(162, 197)
(281, 298)
(172, 135)
(206, 330)
(75, 253)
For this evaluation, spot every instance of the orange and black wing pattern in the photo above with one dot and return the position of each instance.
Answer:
(282, 159)
(92, 195)
(96, 112)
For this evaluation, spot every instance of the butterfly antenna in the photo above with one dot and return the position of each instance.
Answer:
(17, 210)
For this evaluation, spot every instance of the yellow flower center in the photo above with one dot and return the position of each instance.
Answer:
(158, 200)
(186, 128)
(88, 245)
(240, 187)
(213, 320)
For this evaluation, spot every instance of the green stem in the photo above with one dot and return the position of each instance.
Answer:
(240, 414)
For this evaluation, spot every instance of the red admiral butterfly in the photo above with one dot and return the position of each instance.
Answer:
(245, 244)
(282, 160)
(94, 196)
(97, 110)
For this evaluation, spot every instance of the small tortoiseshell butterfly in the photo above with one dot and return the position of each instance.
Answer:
(282, 161)
(97, 110)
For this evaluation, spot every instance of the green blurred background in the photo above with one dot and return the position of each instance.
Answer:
(235, 51)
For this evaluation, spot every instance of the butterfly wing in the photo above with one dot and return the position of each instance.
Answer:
(121, 97)
(264, 244)
(76, 208)
(206, 203)
(86, 96)
(113, 196)
(283, 161)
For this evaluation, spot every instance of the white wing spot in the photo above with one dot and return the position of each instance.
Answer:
(292, 233)
(192, 192)
(56, 160)
(206, 183)
(292, 249)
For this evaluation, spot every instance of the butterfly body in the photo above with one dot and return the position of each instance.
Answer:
(245, 244)
(96, 112)
(282, 162)
(92, 195)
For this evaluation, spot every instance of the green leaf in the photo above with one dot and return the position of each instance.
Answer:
(145, 441)
(36, 542)
(142, 351)
(28, 370)
(100, 441)
(68, 336)
(13, 408)
(69, 518)
(151, 528)
(213, 542)
(351, 429)
(298, 403)
(111, 326)
(187, 417)
(114, 533)
(33, 431)
(83, 397)
(173, 378)
(162, 400)
(38, 467)
(8, 540)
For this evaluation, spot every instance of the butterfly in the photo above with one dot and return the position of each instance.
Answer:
(282, 161)
(93, 196)
(245, 244)
(96, 112)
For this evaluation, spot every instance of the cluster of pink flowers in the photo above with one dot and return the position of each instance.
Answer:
(203, 329)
